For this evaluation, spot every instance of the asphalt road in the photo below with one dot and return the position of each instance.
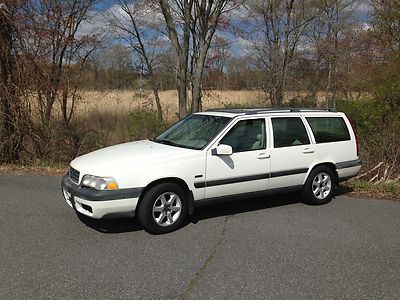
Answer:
(272, 248)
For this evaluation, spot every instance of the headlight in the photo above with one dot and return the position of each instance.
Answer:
(99, 183)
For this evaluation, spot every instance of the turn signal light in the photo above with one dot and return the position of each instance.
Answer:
(112, 186)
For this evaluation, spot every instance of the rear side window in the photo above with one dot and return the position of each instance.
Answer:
(289, 132)
(327, 130)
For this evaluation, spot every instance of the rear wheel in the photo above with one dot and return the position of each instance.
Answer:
(320, 185)
(163, 208)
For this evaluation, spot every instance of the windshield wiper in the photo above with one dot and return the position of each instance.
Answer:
(171, 143)
(166, 142)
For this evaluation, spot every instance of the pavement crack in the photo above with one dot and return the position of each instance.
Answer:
(199, 274)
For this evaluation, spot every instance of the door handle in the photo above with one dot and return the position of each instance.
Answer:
(263, 156)
(308, 150)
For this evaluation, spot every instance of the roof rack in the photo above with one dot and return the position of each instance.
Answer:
(260, 110)
(295, 109)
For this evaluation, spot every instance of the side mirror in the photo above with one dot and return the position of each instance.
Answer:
(223, 150)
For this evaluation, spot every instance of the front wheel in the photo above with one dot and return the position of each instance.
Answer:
(163, 208)
(319, 186)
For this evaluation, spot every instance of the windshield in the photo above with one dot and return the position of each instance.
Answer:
(194, 131)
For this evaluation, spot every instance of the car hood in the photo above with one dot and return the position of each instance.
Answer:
(137, 154)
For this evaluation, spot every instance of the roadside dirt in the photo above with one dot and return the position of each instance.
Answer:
(39, 170)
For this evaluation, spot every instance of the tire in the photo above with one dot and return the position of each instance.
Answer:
(163, 208)
(320, 185)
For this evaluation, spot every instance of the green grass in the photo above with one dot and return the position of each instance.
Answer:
(386, 190)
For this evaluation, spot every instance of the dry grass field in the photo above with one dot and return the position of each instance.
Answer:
(108, 113)
(104, 118)
(124, 101)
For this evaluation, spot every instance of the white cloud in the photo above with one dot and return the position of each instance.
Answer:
(93, 24)
(98, 22)
(241, 46)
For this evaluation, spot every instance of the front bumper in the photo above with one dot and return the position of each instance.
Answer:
(99, 204)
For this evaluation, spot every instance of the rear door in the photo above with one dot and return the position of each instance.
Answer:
(292, 153)
(247, 169)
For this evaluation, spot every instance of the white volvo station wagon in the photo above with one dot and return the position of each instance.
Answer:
(214, 155)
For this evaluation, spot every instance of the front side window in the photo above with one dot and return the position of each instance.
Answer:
(289, 132)
(193, 132)
(246, 135)
(328, 129)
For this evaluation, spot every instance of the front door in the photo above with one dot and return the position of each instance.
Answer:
(247, 169)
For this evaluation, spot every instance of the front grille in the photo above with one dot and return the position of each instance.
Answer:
(74, 175)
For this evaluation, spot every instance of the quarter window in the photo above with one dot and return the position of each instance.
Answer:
(327, 130)
(289, 132)
(246, 135)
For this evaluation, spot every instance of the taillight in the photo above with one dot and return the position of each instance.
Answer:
(355, 134)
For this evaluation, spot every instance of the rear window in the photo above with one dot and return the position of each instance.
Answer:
(289, 132)
(327, 130)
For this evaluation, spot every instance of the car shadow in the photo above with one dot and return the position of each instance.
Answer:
(114, 226)
(243, 206)
(111, 225)
(343, 189)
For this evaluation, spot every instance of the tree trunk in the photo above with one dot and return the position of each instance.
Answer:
(154, 87)
(11, 135)
(64, 103)
(278, 94)
(328, 84)
(335, 70)
(181, 51)
(198, 78)
(279, 86)
(49, 107)
(181, 84)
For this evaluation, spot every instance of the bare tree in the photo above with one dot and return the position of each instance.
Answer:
(325, 36)
(387, 22)
(191, 25)
(208, 14)
(52, 42)
(336, 15)
(180, 46)
(386, 30)
(141, 37)
(276, 28)
(14, 117)
(315, 36)
(217, 63)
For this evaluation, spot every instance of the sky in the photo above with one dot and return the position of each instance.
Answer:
(96, 24)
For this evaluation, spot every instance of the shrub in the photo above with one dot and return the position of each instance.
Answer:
(301, 101)
(145, 124)
(377, 126)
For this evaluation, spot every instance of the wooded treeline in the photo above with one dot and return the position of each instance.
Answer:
(51, 50)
